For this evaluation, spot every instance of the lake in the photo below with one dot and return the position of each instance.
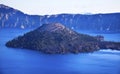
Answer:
(24, 61)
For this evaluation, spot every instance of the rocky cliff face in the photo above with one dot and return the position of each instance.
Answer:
(12, 18)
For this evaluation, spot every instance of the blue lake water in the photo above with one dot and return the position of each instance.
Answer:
(22, 61)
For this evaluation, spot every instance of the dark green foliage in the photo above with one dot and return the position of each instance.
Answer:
(110, 45)
(59, 39)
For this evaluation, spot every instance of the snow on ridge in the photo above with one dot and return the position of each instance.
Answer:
(22, 27)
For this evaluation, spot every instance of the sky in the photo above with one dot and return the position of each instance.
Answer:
(48, 7)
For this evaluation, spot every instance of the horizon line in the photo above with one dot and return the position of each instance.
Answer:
(82, 13)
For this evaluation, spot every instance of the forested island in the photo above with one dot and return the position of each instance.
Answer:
(55, 38)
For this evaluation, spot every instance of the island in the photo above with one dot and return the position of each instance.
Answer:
(55, 38)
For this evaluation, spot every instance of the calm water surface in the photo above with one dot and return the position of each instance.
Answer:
(19, 61)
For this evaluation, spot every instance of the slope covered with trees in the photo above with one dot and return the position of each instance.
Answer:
(56, 38)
